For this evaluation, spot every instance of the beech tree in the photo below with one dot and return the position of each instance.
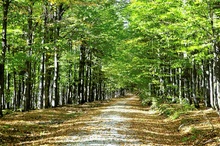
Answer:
(175, 47)
(5, 9)
(57, 52)
(53, 52)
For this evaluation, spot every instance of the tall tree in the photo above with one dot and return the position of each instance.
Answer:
(5, 6)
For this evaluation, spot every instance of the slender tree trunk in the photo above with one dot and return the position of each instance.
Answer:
(5, 6)
(8, 92)
(188, 85)
(56, 74)
(1, 87)
(211, 83)
(28, 62)
(58, 16)
(19, 92)
(180, 84)
(86, 83)
(48, 71)
(41, 84)
(47, 81)
(81, 82)
(206, 84)
(96, 92)
(216, 101)
(15, 91)
(91, 89)
(194, 91)
(69, 94)
(100, 88)
(75, 85)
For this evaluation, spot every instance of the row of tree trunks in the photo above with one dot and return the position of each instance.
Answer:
(195, 83)
(215, 63)
(36, 82)
(197, 80)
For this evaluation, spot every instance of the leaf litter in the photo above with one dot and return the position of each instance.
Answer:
(121, 121)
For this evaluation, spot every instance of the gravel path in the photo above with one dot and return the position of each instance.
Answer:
(109, 128)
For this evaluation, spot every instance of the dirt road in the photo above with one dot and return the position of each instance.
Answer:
(109, 127)
(122, 121)
(126, 122)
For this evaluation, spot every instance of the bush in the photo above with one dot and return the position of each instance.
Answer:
(169, 109)
(145, 98)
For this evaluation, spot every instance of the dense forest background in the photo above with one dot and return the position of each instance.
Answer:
(57, 52)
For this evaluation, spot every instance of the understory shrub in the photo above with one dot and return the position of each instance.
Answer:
(145, 98)
(166, 105)
(169, 109)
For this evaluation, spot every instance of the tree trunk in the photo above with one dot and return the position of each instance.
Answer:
(5, 5)
(216, 101)
(206, 85)
(58, 16)
(48, 71)
(211, 83)
(56, 74)
(188, 85)
(81, 82)
(91, 89)
(1, 87)
(69, 94)
(47, 81)
(194, 91)
(86, 83)
(75, 85)
(15, 91)
(41, 84)
(215, 79)
(28, 62)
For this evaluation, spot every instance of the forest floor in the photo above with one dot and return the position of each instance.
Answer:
(120, 121)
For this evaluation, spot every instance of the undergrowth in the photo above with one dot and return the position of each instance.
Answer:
(174, 110)
(166, 106)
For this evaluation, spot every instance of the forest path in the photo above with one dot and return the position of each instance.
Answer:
(121, 121)
(124, 121)
(110, 127)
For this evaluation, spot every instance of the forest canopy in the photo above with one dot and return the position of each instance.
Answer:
(57, 52)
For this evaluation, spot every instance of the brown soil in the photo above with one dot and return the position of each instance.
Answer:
(122, 121)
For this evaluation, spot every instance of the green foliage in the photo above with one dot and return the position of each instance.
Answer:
(166, 107)
(6, 126)
(194, 134)
(174, 111)
(145, 98)
(7, 111)
(161, 41)
(72, 115)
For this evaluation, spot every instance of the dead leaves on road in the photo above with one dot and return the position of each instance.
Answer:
(51, 125)
(198, 127)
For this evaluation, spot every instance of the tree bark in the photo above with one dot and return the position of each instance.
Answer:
(81, 82)
(28, 62)
(5, 6)
(194, 91)
(58, 16)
